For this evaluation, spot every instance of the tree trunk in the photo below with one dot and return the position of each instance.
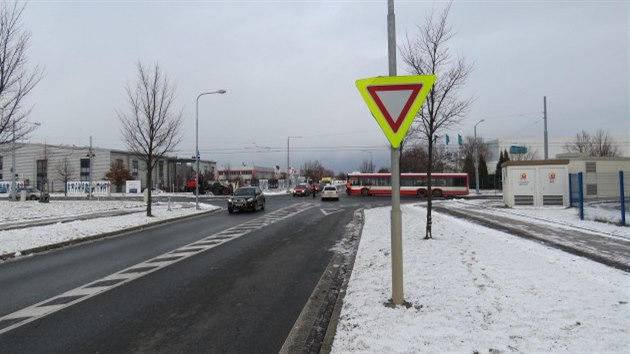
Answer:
(428, 234)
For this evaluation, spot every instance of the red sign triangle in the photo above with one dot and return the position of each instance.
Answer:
(394, 123)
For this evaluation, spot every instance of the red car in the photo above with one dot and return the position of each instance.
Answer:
(301, 189)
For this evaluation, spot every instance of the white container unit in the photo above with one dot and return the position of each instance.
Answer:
(536, 183)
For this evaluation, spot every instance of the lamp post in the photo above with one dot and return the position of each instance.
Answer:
(197, 143)
(477, 159)
(288, 166)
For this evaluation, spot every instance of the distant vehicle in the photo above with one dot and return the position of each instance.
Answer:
(301, 189)
(221, 188)
(4, 189)
(246, 198)
(32, 193)
(330, 192)
(442, 184)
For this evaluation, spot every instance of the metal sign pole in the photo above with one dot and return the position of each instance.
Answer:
(396, 218)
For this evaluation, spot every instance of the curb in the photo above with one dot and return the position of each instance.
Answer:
(40, 249)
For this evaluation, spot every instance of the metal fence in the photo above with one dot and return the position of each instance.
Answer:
(601, 196)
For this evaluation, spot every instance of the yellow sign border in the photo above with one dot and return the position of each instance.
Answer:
(396, 137)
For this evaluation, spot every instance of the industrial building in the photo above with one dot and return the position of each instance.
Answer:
(36, 164)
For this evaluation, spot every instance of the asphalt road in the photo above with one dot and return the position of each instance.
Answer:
(238, 288)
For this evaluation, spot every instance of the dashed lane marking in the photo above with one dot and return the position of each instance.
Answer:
(49, 306)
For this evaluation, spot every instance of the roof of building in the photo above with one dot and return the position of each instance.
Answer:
(536, 162)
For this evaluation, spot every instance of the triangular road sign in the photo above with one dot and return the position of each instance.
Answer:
(394, 101)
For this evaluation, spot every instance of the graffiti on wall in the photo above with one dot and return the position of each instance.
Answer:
(98, 187)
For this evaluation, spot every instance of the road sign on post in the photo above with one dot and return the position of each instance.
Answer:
(395, 101)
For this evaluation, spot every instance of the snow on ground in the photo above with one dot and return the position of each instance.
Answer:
(558, 216)
(474, 289)
(16, 240)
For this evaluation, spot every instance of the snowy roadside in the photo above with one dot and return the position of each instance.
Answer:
(14, 242)
(474, 289)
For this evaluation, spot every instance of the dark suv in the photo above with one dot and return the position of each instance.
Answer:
(246, 198)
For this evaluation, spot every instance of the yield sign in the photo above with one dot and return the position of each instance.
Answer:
(394, 101)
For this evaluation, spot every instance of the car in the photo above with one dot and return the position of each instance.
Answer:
(301, 189)
(246, 198)
(330, 192)
(4, 189)
(32, 193)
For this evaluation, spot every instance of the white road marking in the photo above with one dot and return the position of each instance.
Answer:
(329, 211)
(82, 293)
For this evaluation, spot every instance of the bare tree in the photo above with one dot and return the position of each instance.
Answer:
(428, 53)
(581, 144)
(367, 166)
(16, 81)
(65, 171)
(151, 127)
(316, 170)
(599, 144)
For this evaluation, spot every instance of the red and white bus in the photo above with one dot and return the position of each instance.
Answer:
(442, 184)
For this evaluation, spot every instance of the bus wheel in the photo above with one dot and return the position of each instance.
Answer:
(422, 193)
(436, 193)
(365, 192)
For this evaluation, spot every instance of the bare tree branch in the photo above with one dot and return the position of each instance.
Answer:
(16, 82)
(151, 128)
(428, 53)
(600, 144)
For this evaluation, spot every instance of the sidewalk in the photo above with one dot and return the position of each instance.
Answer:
(607, 249)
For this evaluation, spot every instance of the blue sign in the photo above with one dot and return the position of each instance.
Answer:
(514, 149)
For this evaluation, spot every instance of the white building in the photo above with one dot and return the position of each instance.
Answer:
(39, 163)
(536, 148)
(247, 173)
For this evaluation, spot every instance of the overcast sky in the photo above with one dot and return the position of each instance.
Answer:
(289, 68)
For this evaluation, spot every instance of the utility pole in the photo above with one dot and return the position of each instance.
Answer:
(545, 118)
(476, 162)
(396, 215)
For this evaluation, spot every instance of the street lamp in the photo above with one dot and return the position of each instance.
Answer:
(197, 144)
(477, 159)
(288, 166)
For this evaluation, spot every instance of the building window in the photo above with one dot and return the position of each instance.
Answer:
(161, 169)
(1, 168)
(119, 163)
(42, 173)
(591, 167)
(85, 170)
(134, 167)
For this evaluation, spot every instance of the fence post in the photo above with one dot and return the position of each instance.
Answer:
(623, 202)
(571, 177)
(581, 195)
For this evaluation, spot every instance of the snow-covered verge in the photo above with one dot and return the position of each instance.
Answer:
(473, 289)
(17, 240)
(557, 216)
